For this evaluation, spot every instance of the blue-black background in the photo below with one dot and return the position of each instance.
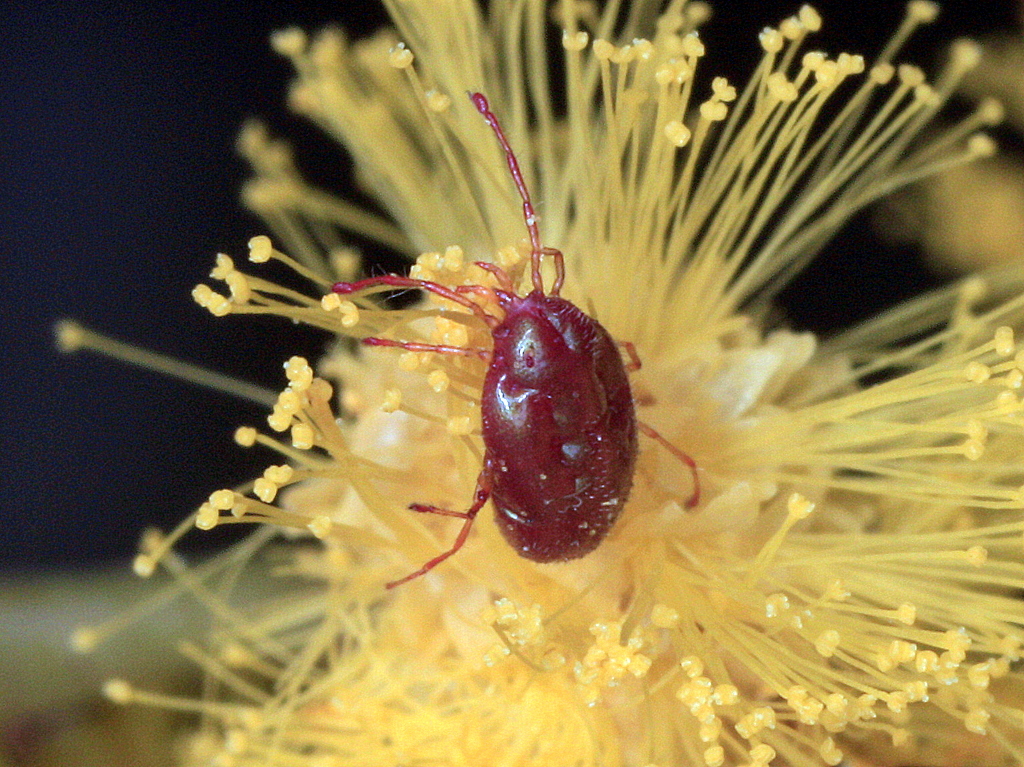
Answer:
(118, 183)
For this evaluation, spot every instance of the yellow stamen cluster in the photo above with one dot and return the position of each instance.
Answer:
(609, 659)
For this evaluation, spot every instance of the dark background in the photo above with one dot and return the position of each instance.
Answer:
(119, 182)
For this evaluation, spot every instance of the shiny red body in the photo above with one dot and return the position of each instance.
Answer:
(559, 425)
(559, 429)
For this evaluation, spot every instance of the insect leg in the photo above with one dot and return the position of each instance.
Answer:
(537, 250)
(499, 274)
(480, 496)
(412, 346)
(653, 434)
(634, 358)
(397, 281)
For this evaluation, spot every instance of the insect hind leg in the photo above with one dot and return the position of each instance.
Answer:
(651, 432)
(480, 496)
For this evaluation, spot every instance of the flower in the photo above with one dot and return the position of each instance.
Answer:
(847, 586)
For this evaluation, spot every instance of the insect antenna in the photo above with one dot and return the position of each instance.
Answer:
(530, 216)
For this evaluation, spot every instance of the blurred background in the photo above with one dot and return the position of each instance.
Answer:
(119, 184)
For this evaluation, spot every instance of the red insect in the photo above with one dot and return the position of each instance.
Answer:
(559, 423)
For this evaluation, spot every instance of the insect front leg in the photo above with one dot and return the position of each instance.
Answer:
(412, 346)
(480, 496)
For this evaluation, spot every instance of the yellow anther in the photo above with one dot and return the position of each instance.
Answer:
(910, 75)
(281, 475)
(392, 400)
(978, 675)
(1004, 341)
(320, 526)
(664, 617)
(977, 372)
(222, 500)
(798, 507)
(830, 752)
(957, 642)
(677, 133)
(771, 40)
(419, 272)
(981, 145)
(349, 313)
(289, 401)
(260, 249)
(882, 74)
(241, 506)
(692, 46)
(722, 90)
(791, 28)
(574, 41)
(454, 258)
(838, 705)
(623, 54)
(850, 64)
(224, 267)
(437, 101)
(264, 489)
(207, 517)
(714, 756)
(827, 642)
(810, 18)
(299, 374)
(438, 380)
(965, 54)
(782, 89)
(916, 691)
(1007, 400)
(279, 419)
(400, 57)
(976, 721)
(330, 302)
(762, 754)
(408, 361)
(976, 555)
(143, 565)
(726, 695)
(757, 720)
(345, 262)
(238, 285)
(692, 666)
(508, 257)
(118, 691)
(710, 730)
(603, 49)
(289, 42)
(713, 111)
(828, 74)
(906, 614)
(836, 592)
(430, 260)
(902, 651)
(302, 436)
(459, 425)
(775, 605)
(642, 49)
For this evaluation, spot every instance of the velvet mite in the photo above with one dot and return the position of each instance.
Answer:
(558, 419)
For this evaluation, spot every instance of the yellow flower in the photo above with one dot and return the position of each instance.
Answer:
(848, 585)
